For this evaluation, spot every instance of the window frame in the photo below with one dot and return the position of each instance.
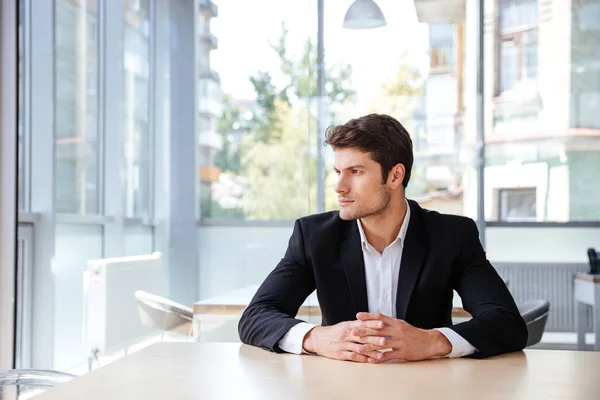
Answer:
(516, 33)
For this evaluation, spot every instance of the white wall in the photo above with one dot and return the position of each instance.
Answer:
(552, 245)
(237, 256)
(75, 244)
(137, 240)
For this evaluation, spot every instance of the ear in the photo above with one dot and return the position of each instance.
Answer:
(396, 176)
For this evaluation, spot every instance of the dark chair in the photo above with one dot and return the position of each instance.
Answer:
(594, 261)
(25, 383)
(163, 314)
(535, 313)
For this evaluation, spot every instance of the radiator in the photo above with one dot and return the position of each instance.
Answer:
(112, 320)
(548, 281)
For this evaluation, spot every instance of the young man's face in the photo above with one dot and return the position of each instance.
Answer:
(361, 192)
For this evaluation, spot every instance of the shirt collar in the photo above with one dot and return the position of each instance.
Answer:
(401, 233)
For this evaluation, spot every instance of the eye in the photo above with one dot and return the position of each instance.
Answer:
(337, 172)
(355, 171)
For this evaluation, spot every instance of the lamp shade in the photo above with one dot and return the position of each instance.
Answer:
(364, 14)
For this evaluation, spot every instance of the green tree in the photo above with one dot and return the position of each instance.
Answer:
(227, 158)
(399, 96)
(279, 174)
(300, 84)
(278, 155)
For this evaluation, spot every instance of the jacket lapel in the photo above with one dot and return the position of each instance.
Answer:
(413, 257)
(354, 267)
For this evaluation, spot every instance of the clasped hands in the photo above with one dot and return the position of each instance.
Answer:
(375, 338)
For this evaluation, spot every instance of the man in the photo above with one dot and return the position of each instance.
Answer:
(384, 268)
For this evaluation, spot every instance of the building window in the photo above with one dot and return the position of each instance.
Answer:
(518, 43)
(517, 204)
(441, 53)
(76, 107)
(137, 134)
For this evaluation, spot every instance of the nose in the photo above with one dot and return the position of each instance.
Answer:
(341, 187)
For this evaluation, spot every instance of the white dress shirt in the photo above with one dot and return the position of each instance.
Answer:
(381, 274)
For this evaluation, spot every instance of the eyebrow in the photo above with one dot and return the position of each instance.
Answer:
(350, 167)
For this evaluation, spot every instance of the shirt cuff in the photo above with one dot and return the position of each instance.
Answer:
(460, 346)
(292, 341)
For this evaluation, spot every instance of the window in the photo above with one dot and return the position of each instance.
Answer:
(441, 54)
(518, 45)
(517, 204)
(137, 135)
(264, 165)
(21, 180)
(256, 99)
(76, 107)
(545, 131)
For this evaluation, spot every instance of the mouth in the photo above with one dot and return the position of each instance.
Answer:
(344, 202)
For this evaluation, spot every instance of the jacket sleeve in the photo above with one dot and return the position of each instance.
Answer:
(271, 313)
(496, 326)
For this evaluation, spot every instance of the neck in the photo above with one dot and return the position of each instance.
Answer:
(382, 229)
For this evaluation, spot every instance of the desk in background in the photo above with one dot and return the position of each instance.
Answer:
(177, 371)
(587, 293)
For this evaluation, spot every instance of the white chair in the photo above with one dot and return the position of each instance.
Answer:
(163, 314)
(26, 383)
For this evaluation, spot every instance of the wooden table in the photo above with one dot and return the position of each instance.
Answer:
(586, 293)
(232, 371)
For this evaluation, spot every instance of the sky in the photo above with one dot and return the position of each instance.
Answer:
(244, 29)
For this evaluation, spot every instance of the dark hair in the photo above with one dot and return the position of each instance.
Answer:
(382, 136)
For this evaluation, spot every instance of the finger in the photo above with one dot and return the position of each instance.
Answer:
(369, 332)
(352, 356)
(391, 355)
(375, 357)
(369, 350)
(373, 324)
(364, 316)
(378, 341)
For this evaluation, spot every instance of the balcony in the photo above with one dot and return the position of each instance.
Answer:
(440, 10)
(211, 75)
(210, 107)
(210, 97)
(209, 9)
(209, 173)
(210, 139)
(209, 41)
(441, 59)
(439, 139)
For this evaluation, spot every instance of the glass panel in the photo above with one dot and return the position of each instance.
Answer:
(74, 246)
(76, 106)
(137, 136)
(544, 134)
(256, 131)
(420, 83)
(20, 127)
(256, 144)
(517, 14)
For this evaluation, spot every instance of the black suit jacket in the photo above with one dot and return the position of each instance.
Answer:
(441, 253)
